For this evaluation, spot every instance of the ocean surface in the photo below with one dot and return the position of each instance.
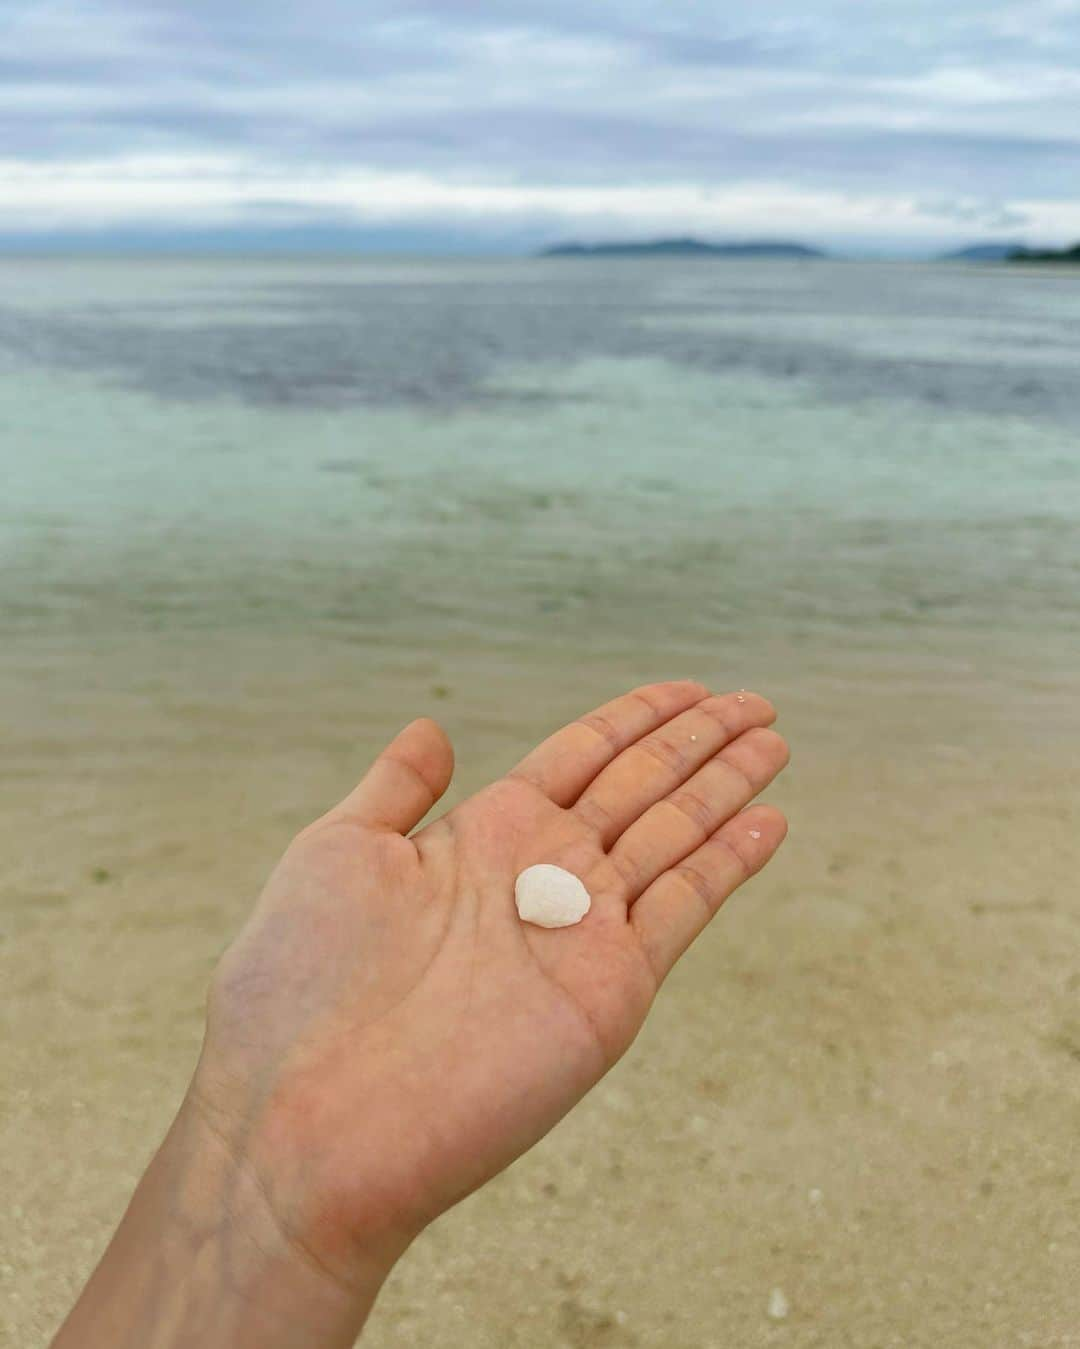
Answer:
(614, 452)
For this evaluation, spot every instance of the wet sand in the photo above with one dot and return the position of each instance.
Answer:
(862, 1087)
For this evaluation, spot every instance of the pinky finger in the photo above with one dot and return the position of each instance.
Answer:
(678, 905)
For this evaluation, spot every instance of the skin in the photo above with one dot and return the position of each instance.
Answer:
(385, 1034)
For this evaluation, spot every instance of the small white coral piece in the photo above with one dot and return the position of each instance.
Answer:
(779, 1306)
(550, 897)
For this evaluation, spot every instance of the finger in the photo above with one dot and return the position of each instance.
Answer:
(564, 764)
(656, 764)
(404, 782)
(678, 906)
(683, 821)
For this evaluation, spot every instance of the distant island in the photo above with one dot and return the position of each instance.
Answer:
(750, 248)
(989, 252)
(1068, 255)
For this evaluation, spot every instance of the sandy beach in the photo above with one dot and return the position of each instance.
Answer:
(852, 1118)
(861, 1088)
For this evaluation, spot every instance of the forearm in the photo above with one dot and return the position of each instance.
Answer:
(200, 1260)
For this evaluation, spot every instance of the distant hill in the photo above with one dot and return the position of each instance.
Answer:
(1071, 255)
(750, 248)
(992, 252)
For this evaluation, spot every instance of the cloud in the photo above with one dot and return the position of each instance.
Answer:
(901, 101)
(986, 215)
(154, 193)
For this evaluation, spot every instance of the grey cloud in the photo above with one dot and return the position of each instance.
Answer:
(549, 91)
(987, 215)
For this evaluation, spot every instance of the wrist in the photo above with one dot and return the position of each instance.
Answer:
(231, 1205)
(202, 1258)
(341, 1216)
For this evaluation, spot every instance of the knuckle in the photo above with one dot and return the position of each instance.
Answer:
(693, 687)
(696, 810)
(652, 695)
(668, 755)
(600, 726)
(743, 868)
(756, 756)
(714, 709)
(410, 770)
(627, 869)
(660, 697)
(697, 882)
(595, 817)
(742, 782)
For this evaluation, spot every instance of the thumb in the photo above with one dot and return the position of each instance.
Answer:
(405, 780)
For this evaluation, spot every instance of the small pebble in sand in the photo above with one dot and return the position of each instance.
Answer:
(755, 833)
(550, 897)
(778, 1305)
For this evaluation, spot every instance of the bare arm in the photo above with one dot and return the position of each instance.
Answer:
(385, 1034)
(199, 1259)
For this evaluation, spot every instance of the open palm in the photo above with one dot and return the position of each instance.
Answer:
(386, 1034)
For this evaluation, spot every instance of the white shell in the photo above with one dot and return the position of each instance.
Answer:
(550, 897)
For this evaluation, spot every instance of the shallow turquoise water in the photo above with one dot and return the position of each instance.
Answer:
(866, 455)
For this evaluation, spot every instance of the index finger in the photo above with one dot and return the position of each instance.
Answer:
(566, 763)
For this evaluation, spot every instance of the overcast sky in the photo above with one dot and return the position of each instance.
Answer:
(875, 123)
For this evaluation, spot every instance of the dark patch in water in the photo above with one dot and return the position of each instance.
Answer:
(439, 344)
(342, 466)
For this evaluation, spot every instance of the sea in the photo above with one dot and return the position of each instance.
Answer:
(807, 457)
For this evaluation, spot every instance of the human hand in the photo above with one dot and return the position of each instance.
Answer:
(385, 1034)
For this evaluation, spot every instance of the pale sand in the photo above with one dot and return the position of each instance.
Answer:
(862, 1087)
